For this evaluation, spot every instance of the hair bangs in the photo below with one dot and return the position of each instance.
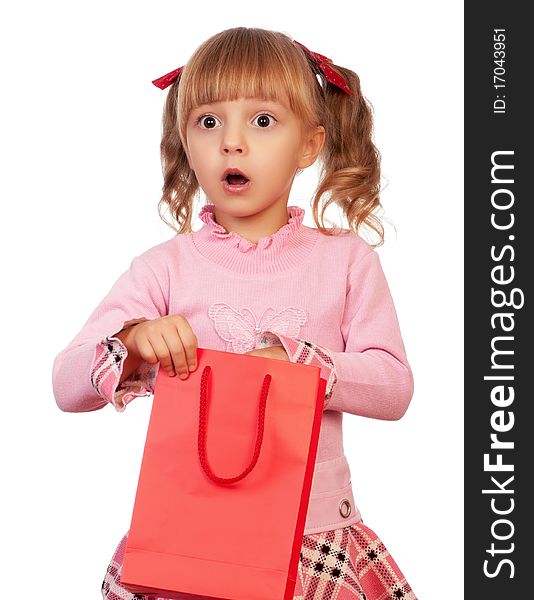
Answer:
(247, 63)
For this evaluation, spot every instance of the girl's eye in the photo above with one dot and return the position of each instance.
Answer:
(264, 120)
(207, 121)
(210, 122)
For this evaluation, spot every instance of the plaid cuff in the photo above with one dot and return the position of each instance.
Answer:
(106, 370)
(301, 351)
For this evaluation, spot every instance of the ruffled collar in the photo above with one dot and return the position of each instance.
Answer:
(233, 239)
(285, 249)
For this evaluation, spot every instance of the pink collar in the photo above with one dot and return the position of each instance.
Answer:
(277, 252)
(295, 217)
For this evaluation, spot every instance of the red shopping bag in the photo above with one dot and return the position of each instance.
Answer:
(225, 480)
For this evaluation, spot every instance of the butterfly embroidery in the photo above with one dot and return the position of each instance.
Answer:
(242, 330)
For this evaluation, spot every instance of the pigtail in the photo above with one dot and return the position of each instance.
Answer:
(350, 162)
(179, 181)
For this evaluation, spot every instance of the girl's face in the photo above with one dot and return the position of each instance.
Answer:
(264, 140)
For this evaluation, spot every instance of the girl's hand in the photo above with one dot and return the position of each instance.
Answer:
(168, 340)
(271, 352)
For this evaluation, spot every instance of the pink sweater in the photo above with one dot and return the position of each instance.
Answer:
(324, 298)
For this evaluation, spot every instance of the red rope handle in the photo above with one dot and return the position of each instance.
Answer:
(202, 429)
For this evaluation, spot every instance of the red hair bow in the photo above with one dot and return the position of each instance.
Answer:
(166, 80)
(320, 60)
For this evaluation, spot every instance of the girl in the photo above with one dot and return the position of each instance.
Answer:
(250, 110)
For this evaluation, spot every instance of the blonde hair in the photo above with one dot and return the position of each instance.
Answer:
(253, 62)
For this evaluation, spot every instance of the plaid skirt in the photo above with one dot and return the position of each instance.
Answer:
(341, 564)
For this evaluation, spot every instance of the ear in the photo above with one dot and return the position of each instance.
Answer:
(311, 147)
(186, 150)
(183, 143)
(188, 159)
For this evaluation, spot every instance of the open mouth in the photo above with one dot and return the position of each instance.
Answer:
(235, 177)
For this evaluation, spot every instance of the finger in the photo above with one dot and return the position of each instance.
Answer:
(176, 351)
(189, 342)
(162, 352)
(145, 349)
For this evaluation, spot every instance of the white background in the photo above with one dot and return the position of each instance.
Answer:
(80, 185)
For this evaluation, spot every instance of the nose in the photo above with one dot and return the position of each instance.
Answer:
(233, 148)
(233, 141)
